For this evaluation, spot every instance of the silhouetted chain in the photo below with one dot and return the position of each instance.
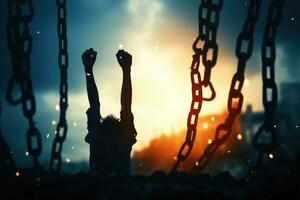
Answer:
(20, 44)
(244, 48)
(269, 84)
(209, 18)
(13, 41)
(62, 127)
(209, 15)
(6, 160)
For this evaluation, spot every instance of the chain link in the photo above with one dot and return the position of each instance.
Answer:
(62, 127)
(269, 84)
(20, 44)
(244, 48)
(209, 15)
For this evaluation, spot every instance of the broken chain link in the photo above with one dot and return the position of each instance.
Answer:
(209, 17)
(244, 47)
(63, 62)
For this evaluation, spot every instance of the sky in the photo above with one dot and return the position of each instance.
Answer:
(159, 34)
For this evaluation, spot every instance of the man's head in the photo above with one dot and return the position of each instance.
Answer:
(111, 124)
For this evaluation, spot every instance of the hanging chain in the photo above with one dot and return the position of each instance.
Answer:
(244, 48)
(209, 18)
(13, 42)
(269, 84)
(20, 44)
(62, 127)
(209, 15)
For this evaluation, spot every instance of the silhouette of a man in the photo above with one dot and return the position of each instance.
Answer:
(110, 139)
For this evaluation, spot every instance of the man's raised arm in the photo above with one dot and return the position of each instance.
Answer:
(88, 59)
(125, 61)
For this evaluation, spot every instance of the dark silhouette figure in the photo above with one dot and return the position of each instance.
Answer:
(110, 139)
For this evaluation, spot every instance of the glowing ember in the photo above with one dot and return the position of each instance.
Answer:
(239, 137)
(271, 156)
(17, 174)
(197, 163)
(228, 151)
(247, 82)
(209, 141)
(175, 158)
(57, 107)
(213, 119)
(205, 125)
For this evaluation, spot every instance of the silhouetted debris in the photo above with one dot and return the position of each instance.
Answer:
(32, 184)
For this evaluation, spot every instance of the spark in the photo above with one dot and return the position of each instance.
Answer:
(293, 18)
(197, 163)
(48, 135)
(213, 119)
(27, 153)
(57, 107)
(229, 151)
(121, 46)
(175, 158)
(205, 125)
(247, 82)
(75, 124)
(72, 147)
(239, 137)
(275, 126)
(67, 160)
(297, 126)
(17, 174)
(53, 122)
(88, 74)
(271, 156)
(209, 141)
(38, 32)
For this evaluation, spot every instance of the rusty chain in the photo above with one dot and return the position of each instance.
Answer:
(209, 17)
(62, 127)
(269, 84)
(244, 47)
(20, 14)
